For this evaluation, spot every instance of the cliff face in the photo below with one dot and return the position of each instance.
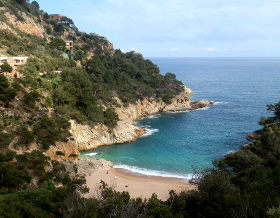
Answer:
(68, 151)
(28, 25)
(86, 138)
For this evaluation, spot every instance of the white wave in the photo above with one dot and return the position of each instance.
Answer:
(147, 172)
(153, 116)
(203, 109)
(145, 126)
(91, 154)
(149, 132)
(220, 102)
(229, 152)
(177, 112)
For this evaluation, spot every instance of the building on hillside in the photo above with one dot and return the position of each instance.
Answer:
(13, 61)
(56, 17)
(69, 45)
(19, 61)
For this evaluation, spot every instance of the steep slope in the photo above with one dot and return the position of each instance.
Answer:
(75, 98)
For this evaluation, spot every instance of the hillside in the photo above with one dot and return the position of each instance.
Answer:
(84, 82)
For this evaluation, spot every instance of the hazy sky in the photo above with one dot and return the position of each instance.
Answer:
(179, 28)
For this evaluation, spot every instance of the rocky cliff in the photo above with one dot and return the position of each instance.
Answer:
(87, 138)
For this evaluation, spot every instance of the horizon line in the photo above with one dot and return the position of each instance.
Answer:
(212, 57)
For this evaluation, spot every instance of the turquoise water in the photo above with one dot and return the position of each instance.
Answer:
(176, 143)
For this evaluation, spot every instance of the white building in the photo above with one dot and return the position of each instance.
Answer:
(13, 61)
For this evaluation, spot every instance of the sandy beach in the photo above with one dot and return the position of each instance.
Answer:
(137, 185)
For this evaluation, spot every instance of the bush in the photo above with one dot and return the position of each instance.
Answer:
(6, 92)
(57, 43)
(49, 130)
(30, 99)
(25, 136)
(5, 67)
(73, 155)
(60, 153)
(5, 139)
(110, 118)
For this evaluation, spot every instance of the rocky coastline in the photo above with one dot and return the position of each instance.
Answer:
(85, 137)
(88, 138)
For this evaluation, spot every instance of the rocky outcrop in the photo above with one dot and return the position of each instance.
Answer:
(200, 104)
(63, 151)
(87, 138)
(86, 166)
(28, 26)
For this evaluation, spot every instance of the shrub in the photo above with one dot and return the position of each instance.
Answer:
(5, 140)
(5, 67)
(49, 130)
(25, 136)
(57, 43)
(6, 92)
(60, 153)
(30, 99)
(73, 155)
(110, 118)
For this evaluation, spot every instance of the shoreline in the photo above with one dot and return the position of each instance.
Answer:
(196, 105)
(87, 138)
(138, 185)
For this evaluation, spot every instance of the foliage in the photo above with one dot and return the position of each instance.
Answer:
(12, 176)
(48, 131)
(59, 153)
(35, 4)
(6, 92)
(5, 67)
(25, 136)
(5, 139)
(131, 77)
(30, 99)
(67, 21)
(21, 1)
(110, 118)
(57, 43)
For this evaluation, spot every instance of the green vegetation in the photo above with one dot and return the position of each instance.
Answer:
(7, 93)
(131, 77)
(5, 67)
(59, 153)
(57, 43)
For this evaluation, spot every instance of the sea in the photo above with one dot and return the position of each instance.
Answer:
(177, 144)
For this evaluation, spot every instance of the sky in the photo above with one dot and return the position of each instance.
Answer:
(179, 28)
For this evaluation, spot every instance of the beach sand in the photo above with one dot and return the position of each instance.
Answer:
(136, 185)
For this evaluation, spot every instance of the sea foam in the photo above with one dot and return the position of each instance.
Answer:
(149, 132)
(220, 102)
(153, 116)
(177, 112)
(203, 109)
(91, 154)
(148, 172)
